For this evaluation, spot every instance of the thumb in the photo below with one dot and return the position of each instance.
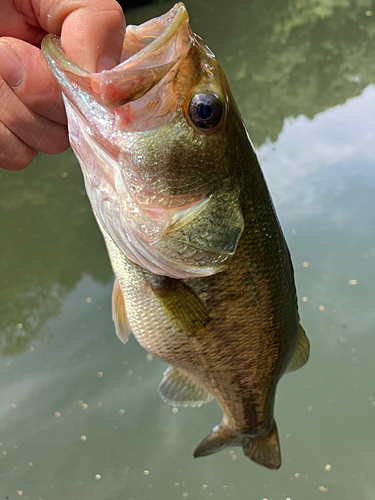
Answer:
(92, 31)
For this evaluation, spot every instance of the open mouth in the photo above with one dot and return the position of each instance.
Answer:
(149, 52)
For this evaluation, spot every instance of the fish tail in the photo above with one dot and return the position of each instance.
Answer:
(264, 450)
(220, 437)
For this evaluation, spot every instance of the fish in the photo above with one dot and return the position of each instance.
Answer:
(203, 274)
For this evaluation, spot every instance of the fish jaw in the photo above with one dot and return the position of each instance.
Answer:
(149, 52)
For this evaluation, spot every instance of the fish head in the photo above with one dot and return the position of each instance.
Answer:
(157, 138)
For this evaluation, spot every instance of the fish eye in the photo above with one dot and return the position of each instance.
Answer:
(206, 110)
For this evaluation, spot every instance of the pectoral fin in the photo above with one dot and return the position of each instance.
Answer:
(179, 388)
(119, 317)
(182, 306)
(301, 352)
(265, 450)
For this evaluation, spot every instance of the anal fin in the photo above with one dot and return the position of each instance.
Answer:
(301, 352)
(179, 388)
(119, 316)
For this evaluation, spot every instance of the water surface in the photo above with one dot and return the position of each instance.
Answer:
(80, 416)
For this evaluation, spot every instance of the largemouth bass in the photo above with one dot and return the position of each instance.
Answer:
(204, 278)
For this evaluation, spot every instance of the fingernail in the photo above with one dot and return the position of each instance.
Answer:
(11, 68)
(106, 62)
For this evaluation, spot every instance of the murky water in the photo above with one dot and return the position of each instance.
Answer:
(80, 417)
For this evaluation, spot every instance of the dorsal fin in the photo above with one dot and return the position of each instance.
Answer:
(180, 388)
(119, 316)
(301, 352)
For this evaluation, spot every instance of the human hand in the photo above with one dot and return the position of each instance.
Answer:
(32, 115)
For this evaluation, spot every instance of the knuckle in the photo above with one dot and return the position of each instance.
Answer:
(52, 138)
(14, 154)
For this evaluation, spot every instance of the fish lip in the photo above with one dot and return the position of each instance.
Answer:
(178, 15)
(140, 61)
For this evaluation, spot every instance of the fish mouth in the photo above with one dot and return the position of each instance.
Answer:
(149, 52)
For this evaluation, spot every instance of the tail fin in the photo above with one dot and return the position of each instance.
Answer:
(265, 450)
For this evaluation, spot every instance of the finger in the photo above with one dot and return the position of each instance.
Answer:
(25, 69)
(32, 115)
(18, 20)
(92, 31)
(14, 153)
(34, 130)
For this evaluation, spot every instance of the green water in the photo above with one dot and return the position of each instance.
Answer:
(80, 416)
